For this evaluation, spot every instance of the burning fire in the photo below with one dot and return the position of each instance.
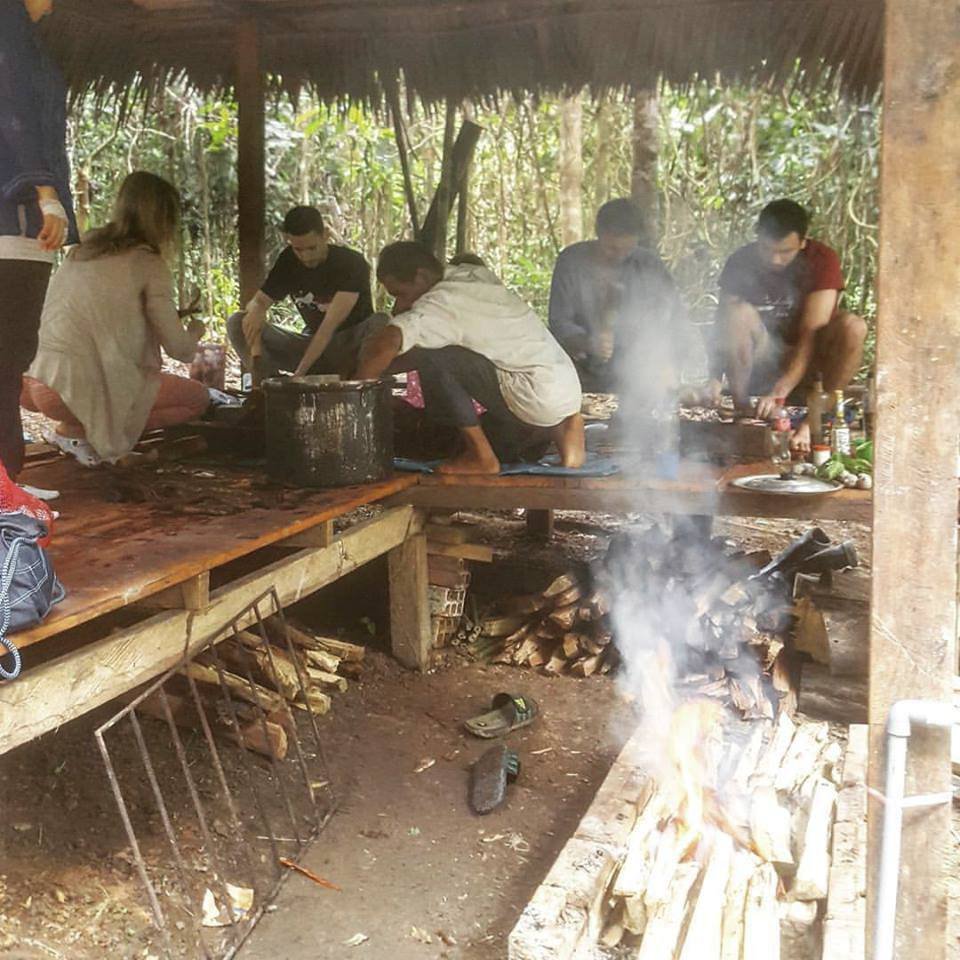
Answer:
(688, 777)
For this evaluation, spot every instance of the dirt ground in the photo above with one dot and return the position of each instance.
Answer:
(421, 876)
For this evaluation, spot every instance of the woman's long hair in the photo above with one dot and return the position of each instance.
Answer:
(146, 213)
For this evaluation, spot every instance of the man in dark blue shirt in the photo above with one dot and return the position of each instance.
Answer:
(613, 303)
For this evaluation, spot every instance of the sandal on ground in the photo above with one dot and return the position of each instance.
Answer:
(508, 712)
(75, 447)
(489, 777)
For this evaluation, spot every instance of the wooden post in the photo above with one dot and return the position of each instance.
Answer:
(914, 599)
(251, 177)
(646, 149)
(540, 524)
(409, 604)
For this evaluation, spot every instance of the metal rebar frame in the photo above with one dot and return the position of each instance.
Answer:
(275, 807)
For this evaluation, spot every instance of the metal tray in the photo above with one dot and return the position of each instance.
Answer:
(790, 487)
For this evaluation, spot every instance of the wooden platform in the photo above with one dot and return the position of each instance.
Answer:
(144, 558)
(700, 489)
(111, 555)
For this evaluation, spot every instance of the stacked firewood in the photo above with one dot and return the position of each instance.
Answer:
(725, 628)
(264, 677)
(749, 879)
(564, 629)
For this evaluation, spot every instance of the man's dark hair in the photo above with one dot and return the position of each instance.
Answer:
(620, 216)
(781, 218)
(303, 220)
(402, 260)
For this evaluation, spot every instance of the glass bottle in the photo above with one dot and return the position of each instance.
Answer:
(840, 431)
(780, 436)
(816, 408)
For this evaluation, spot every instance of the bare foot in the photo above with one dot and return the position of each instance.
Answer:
(800, 440)
(477, 457)
(466, 463)
(570, 440)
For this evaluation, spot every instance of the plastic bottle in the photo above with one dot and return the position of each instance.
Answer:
(780, 436)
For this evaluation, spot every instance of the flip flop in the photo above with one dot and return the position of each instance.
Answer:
(489, 777)
(508, 712)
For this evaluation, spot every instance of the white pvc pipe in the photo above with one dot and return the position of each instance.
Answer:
(903, 714)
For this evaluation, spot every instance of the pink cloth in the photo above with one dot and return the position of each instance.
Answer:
(414, 393)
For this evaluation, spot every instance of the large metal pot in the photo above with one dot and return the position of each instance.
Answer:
(323, 433)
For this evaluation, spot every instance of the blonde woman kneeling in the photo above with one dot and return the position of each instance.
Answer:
(108, 311)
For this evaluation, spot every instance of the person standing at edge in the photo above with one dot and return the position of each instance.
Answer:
(330, 286)
(472, 339)
(778, 323)
(36, 212)
(611, 299)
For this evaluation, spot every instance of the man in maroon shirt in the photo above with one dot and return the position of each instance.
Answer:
(779, 324)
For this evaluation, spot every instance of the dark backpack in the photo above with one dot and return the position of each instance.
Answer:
(28, 585)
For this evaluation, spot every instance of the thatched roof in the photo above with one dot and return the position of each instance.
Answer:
(468, 48)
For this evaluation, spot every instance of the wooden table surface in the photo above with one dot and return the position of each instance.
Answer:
(109, 554)
(699, 488)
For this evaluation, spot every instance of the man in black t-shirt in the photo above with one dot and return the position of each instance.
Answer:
(330, 287)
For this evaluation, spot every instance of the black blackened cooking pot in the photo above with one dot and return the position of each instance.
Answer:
(328, 433)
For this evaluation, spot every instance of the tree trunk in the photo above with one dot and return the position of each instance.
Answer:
(571, 169)
(646, 148)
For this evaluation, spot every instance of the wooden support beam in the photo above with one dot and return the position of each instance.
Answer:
(322, 535)
(914, 598)
(409, 606)
(45, 698)
(251, 157)
(540, 524)
(192, 594)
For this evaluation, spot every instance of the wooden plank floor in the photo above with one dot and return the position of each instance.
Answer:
(698, 489)
(109, 555)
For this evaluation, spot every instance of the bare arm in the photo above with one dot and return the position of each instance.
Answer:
(818, 308)
(254, 318)
(378, 352)
(337, 312)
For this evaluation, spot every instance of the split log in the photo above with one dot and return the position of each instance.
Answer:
(772, 756)
(256, 694)
(742, 868)
(666, 921)
(321, 660)
(761, 922)
(569, 596)
(275, 664)
(501, 626)
(325, 679)
(556, 665)
(563, 617)
(750, 755)
(571, 646)
(560, 585)
(183, 709)
(351, 652)
(801, 757)
(631, 882)
(586, 666)
(705, 931)
(813, 869)
(798, 930)
(770, 827)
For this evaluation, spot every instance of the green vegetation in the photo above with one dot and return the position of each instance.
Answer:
(724, 151)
